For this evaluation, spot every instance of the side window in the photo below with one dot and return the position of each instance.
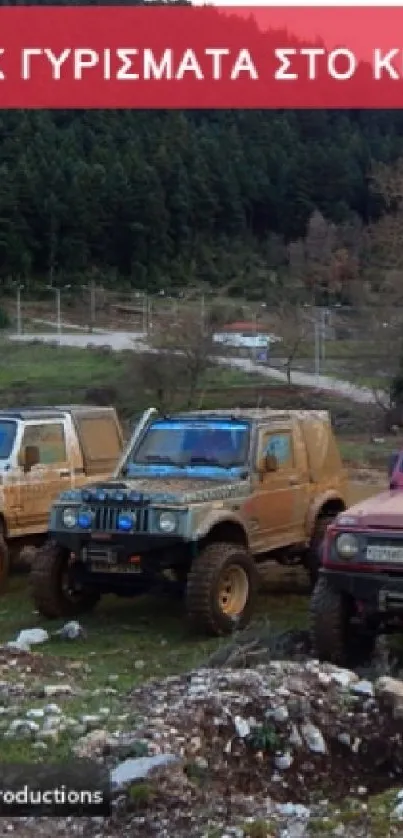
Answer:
(49, 439)
(279, 446)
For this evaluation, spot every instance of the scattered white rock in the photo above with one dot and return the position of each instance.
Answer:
(28, 638)
(93, 743)
(35, 713)
(138, 769)
(344, 677)
(70, 631)
(57, 689)
(242, 727)
(363, 688)
(280, 714)
(52, 710)
(313, 738)
(397, 813)
(283, 761)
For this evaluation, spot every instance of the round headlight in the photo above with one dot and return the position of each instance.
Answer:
(85, 518)
(126, 521)
(69, 518)
(167, 522)
(347, 545)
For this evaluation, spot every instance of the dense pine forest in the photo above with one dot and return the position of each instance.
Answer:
(164, 199)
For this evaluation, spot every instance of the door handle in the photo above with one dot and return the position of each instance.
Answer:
(294, 481)
(64, 472)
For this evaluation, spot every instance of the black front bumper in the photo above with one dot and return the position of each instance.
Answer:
(380, 592)
(126, 544)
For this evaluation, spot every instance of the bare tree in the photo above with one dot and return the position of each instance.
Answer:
(182, 351)
(159, 375)
(292, 326)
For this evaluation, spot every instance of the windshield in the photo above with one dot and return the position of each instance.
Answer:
(8, 430)
(192, 444)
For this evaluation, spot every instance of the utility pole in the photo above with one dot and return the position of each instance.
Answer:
(323, 332)
(58, 311)
(203, 313)
(19, 317)
(58, 295)
(317, 344)
(144, 314)
(92, 304)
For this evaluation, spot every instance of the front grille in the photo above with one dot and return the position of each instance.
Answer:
(106, 518)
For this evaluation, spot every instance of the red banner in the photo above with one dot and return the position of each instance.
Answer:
(201, 57)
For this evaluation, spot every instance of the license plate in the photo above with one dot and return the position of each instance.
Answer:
(102, 567)
(375, 553)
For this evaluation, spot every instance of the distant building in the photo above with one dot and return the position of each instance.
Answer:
(245, 335)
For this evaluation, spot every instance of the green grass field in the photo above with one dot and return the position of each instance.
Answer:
(128, 641)
(44, 374)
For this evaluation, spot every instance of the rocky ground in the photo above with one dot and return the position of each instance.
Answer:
(251, 745)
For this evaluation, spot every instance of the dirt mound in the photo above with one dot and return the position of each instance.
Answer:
(287, 730)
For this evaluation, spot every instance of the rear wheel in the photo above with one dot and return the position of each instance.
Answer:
(221, 588)
(53, 588)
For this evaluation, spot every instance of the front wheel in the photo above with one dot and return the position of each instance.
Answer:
(221, 589)
(53, 589)
(314, 556)
(336, 637)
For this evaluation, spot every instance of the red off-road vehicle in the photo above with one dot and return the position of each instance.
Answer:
(359, 592)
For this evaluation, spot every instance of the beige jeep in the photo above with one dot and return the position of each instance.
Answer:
(42, 452)
(205, 495)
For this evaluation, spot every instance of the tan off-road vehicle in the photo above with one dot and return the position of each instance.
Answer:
(42, 451)
(205, 495)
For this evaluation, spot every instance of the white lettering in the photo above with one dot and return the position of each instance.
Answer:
(383, 62)
(244, 64)
(2, 76)
(125, 56)
(56, 61)
(107, 64)
(189, 64)
(154, 70)
(84, 59)
(351, 64)
(281, 73)
(27, 54)
(217, 63)
(312, 53)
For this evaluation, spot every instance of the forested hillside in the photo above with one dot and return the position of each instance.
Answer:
(165, 197)
(162, 199)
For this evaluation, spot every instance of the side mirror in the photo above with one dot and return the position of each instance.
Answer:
(29, 457)
(268, 463)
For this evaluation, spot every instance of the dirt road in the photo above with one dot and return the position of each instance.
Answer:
(120, 341)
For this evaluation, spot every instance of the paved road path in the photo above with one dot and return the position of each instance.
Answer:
(120, 341)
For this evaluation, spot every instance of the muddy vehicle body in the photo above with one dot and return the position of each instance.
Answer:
(359, 592)
(205, 496)
(42, 451)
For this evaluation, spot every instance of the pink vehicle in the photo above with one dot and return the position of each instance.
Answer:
(359, 592)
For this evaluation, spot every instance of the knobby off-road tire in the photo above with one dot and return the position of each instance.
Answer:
(314, 556)
(4, 564)
(334, 637)
(48, 585)
(221, 589)
(329, 623)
